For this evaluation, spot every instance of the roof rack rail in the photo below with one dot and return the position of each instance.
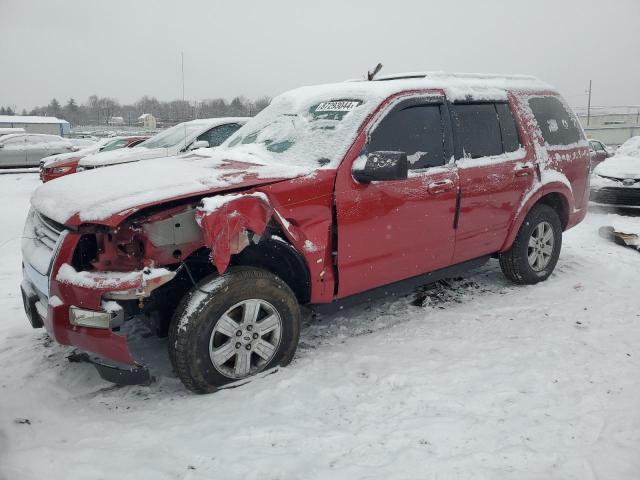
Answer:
(410, 75)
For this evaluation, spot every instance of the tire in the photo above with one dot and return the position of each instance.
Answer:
(516, 263)
(247, 321)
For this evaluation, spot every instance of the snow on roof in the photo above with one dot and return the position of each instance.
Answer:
(29, 119)
(144, 115)
(457, 86)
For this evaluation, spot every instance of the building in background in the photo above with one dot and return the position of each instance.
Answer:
(611, 125)
(116, 121)
(32, 124)
(147, 120)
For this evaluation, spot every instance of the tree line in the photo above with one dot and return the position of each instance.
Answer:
(101, 110)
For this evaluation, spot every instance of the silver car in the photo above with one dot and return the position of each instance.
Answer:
(26, 149)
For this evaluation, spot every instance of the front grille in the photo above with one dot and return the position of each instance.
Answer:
(46, 231)
(40, 240)
(617, 196)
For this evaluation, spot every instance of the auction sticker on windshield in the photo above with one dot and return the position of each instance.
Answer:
(337, 106)
(334, 110)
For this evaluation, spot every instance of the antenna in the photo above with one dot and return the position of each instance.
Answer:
(374, 72)
(184, 124)
(589, 105)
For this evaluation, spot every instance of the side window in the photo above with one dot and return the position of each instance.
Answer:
(476, 130)
(416, 130)
(15, 141)
(36, 140)
(558, 126)
(217, 135)
(508, 129)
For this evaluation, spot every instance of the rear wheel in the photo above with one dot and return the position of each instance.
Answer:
(535, 251)
(247, 321)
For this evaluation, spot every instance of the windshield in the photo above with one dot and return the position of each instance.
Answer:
(114, 144)
(309, 131)
(173, 136)
(630, 148)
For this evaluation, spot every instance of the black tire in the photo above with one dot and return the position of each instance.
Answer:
(515, 262)
(198, 314)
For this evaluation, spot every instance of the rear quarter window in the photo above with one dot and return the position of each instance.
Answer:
(557, 125)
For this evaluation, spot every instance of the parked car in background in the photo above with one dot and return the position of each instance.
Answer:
(201, 133)
(10, 130)
(63, 164)
(598, 152)
(616, 180)
(331, 191)
(27, 149)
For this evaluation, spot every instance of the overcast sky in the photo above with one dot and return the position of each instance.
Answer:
(125, 49)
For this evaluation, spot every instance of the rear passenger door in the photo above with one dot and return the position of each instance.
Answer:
(495, 174)
(37, 148)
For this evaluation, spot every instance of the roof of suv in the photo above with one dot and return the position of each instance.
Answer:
(458, 86)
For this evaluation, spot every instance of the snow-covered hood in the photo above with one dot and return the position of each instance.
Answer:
(122, 155)
(619, 166)
(108, 195)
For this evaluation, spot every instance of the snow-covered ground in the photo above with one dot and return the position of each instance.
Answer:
(474, 379)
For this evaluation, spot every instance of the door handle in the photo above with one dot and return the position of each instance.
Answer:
(440, 187)
(523, 170)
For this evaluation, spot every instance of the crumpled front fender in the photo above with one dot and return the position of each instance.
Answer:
(224, 219)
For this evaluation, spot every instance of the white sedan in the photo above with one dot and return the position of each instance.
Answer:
(27, 149)
(616, 181)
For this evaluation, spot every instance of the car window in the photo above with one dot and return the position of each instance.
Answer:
(114, 145)
(35, 139)
(508, 129)
(416, 130)
(217, 135)
(476, 130)
(598, 146)
(15, 141)
(557, 125)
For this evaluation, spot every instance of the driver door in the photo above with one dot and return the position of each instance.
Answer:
(392, 230)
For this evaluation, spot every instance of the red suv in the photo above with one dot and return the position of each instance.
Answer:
(332, 194)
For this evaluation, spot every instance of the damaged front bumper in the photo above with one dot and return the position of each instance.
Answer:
(82, 309)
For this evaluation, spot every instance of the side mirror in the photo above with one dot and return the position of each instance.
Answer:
(199, 144)
(381, 166)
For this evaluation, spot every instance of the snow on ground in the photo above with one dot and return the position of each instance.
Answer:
(472, 379)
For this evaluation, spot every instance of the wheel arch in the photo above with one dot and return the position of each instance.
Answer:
(556, 195)
(279, 257)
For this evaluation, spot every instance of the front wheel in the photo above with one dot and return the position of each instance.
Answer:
(535, 251)
(247, 321)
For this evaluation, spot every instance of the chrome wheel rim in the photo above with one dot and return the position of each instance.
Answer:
(245, 338)
(540, 247)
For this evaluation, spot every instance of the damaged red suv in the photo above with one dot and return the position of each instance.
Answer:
(333, 194)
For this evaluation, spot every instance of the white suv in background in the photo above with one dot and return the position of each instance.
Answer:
(27, 149)
(201, 133)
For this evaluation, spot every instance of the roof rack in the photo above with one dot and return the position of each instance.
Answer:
(436, 75)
